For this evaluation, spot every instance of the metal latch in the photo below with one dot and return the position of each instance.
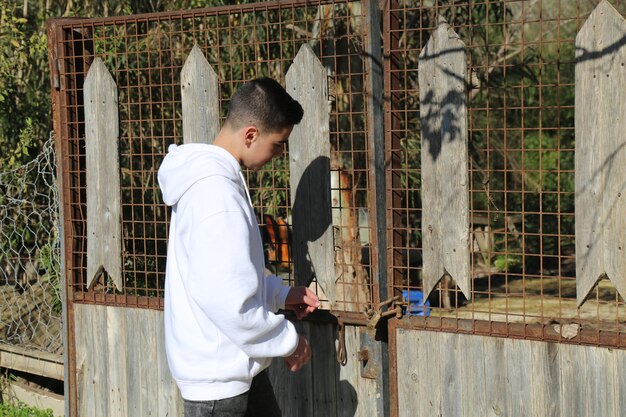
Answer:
(370, 353)
(374, 315)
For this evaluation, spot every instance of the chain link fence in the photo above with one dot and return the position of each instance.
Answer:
(30, 314)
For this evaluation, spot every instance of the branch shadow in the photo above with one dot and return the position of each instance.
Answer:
(442, 122)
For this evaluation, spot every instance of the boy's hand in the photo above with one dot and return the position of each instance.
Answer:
(301, 356)
(302, 301)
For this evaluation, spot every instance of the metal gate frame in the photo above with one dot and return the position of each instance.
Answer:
(69, 38)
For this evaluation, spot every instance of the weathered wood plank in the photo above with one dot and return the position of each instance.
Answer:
(472, 375)
(546, 380)
(518, 377)
(602, 378)
(35, 397)
(495, 376)
(145, 331)
(117, 360)
(410, 367)
(324, 371)
(305, 386)
(419, 374)
(349, 377)
(138, 375)
(83, 339)
(295, 390)
(574, 381)
(104, 228)
(445, 196)
(428, 371)
(34, 362)
(309, 165)
(92, 360)
(200, 99)
(600, 154)
(619, 383)
(357, 395)
(451, 403)
(170, 403)
(100, 349)
(133, 371)
(282, 382)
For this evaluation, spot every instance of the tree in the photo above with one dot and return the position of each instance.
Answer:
(24, 98)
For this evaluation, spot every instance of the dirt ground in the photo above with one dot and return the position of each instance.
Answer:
(539, 301)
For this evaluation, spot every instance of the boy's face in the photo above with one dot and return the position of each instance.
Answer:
(265, 146)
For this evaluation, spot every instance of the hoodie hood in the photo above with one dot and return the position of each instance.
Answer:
(187, 164)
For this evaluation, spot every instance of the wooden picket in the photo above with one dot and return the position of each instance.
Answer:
(309, 165)
(200, 99)
(104, 221)
(443, 117)
(600, 157)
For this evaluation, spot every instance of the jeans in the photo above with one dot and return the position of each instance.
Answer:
(260, 401)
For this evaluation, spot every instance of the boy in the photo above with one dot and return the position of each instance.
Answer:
(220, 329)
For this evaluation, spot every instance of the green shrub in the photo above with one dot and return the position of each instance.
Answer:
(23, 410)
(508, 263)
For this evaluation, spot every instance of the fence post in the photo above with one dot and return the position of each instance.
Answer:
(200, 99)
(378, 199)
(309, 165)
(104, 228)
(445, 177)
(600, 154)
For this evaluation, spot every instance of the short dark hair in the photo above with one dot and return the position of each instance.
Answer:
(264, 103)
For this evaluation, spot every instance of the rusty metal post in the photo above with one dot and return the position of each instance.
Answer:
(55, 84)
(377, 201)
(79, 45)
(392, 193)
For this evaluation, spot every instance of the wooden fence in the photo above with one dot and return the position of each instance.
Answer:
(429, 372)
(109, 337)
(472, 375)
(600, 156)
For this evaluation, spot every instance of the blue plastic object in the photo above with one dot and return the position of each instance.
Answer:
(416, 304)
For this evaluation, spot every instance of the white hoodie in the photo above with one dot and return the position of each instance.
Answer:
(220, 329)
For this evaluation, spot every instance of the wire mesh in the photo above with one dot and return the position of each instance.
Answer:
(145, 54)
(521, 60)
(30, 255)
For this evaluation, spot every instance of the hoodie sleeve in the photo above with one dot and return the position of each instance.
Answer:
(224, 284)
(276, 292)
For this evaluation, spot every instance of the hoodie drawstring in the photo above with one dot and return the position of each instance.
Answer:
(245, 186)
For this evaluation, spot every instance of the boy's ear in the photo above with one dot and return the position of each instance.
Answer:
(250, 135)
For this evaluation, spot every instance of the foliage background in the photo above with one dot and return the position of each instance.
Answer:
(25, 108)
